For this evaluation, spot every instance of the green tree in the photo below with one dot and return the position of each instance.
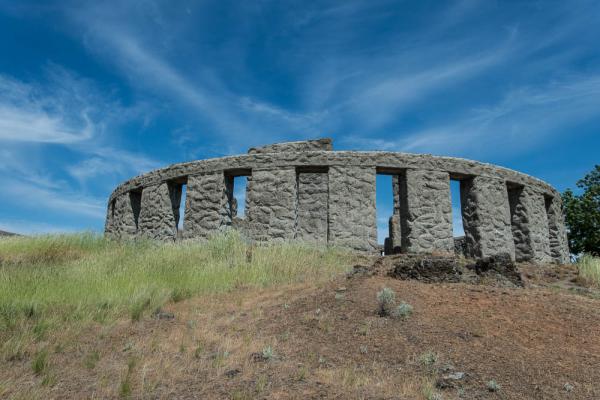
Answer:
(582, 214)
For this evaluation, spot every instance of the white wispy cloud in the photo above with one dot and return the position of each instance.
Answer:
(64, 201)
(520, 120)
(62, 110)
(27, 114)
(111, 162)
(377, 103)
(205, 95)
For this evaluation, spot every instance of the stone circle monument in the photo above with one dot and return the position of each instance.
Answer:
(306, 191)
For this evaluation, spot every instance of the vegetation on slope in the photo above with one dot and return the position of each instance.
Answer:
(589, 269)
(78, 319)
(583, 214)
(50, 282)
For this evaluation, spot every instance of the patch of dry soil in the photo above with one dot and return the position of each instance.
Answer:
(539, 341)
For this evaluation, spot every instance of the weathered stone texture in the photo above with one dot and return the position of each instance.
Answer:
(159, 213)
(519, 224)
(307, 145)
(109, 221)
(538, 229)
(290, 196)
(426, 211)
(123, 221)
(312, 207)
(383, 160)
(529, 224)
(486, 217)
(352, 213)
(559, 246)
(206, 206)
(394, 239)
(272, 203)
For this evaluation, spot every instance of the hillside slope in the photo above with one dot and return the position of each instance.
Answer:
(326, 341)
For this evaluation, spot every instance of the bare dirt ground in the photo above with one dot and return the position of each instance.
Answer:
(540, 341)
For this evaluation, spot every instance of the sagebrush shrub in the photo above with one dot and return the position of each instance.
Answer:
(404, 310)
(386, 298)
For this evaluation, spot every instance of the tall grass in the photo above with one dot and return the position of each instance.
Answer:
(47, 280)
(589, 269)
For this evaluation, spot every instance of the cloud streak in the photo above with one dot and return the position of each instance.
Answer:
(27, 115)
(522, 119)
(63, 201)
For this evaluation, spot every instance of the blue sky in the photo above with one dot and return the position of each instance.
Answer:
(92, 93)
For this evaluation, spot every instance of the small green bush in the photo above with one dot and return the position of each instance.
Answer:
(404, 310)
(268, 353)
(386, 298)
(386, 302)
(428, 359)
(493, 386)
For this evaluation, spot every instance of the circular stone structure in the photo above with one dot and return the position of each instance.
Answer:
(305, 191)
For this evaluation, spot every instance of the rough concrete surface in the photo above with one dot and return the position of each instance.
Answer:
(305, 191)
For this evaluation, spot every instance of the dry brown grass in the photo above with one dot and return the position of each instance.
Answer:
(531, 341)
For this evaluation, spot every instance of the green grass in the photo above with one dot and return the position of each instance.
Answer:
(40, 362)
(49, 281)
(589, 269)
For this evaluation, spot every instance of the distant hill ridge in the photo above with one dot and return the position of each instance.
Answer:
(3, 233)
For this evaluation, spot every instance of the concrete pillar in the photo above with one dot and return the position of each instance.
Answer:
(529, 224)
(272, 202)
(206, 205)
(109, 224)
(312, 207)
(160, 211)
(559, 246)
(426, 212)
(124, 220)
(394, 240)
(352, 212)
(486, 217)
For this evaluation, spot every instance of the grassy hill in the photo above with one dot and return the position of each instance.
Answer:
(82, 317)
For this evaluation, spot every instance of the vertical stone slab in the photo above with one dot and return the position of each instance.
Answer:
(393, 243)
(124, 217)
(394, 224)
(519, 224)
(272, 202)
(529, 224)
(559, 246)
(352, 212)
(486, 217)
(312, 207)
(538, 225)
(109, 224)
(426, 212)
(159, 212)
(206, 206)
